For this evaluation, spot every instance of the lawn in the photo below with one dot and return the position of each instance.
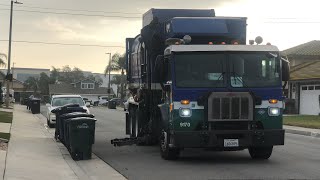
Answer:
(5, 135)
(5, 117)
(302, 121)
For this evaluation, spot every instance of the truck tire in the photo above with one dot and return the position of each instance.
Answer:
(260, 152)
(166, 152)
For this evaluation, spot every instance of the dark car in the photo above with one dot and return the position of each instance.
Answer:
(117, 100)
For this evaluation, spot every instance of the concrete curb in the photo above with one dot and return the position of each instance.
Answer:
(303, 132)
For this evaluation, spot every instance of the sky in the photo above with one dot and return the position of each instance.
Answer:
(284, 23)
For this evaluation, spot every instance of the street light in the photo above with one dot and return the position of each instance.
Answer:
(109, 68)
(9, 53)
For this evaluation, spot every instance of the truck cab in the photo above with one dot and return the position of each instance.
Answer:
(223, 97)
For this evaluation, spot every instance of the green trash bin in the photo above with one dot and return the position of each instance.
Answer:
(65, 125)
(112, 104)
(81, 137)
(35, 106)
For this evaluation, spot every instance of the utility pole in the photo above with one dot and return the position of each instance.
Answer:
(12, 73)
(9, 53)
(109, 69)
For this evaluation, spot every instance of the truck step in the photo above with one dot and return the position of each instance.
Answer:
(125, 141)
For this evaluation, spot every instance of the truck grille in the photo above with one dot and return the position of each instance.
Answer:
(228, 106)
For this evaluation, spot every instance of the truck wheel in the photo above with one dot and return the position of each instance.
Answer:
(260, 152)
(167, 153)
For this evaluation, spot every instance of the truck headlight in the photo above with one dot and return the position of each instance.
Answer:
(274, 111)
(185, 112)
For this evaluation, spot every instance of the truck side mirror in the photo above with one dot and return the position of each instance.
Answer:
(285, 70)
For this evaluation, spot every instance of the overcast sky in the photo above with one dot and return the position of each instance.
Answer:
(284, 23)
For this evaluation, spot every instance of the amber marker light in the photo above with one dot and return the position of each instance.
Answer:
(273, 101)
(185, 102)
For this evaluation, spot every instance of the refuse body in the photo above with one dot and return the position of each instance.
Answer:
(81, 134)
(69, 108)
(35, 106)
(63, 126)
(112, 104)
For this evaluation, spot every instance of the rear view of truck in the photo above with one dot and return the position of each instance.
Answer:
(197, 85)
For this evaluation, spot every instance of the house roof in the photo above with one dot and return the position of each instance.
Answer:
(305, 71)
(85, 80)
(311, 48)
(64, 88)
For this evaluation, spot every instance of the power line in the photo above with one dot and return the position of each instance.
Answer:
(293, 22)
(63, 44)
(79, 10)
(75, 14)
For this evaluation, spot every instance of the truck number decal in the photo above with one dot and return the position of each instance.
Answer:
(185, 124)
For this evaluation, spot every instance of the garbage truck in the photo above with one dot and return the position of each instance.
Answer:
(197, 84)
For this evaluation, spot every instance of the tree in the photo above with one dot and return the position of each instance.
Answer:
(67, 75)
(118, 63)
(116, 80)
(44, 82)
(54, 76)
(2, 62)
(32, 83)
(96, 78)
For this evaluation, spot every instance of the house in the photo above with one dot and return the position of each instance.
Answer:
(87, 88)
(20, 90)
(304, 84)
(22, 74)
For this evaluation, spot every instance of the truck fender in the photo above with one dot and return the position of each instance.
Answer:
(164, 110)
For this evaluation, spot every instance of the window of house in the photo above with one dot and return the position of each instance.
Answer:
(311, 88)
(87, 86)
(317, 88)
(304, 88)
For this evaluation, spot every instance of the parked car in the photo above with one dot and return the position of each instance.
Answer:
(61, 100)
(103, 100)
(118, 100)
(126, 103)
(86, 100)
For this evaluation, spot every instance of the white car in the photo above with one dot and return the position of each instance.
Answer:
(61, 100)
(103, 100)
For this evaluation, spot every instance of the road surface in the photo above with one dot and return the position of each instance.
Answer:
(298, 159)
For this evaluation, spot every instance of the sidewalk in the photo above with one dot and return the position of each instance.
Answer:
(33, 154)
(302, 131)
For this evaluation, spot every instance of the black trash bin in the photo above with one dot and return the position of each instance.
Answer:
(112, 104)
(64, 119)
(69, 108)
(81, 132)
(35, 106)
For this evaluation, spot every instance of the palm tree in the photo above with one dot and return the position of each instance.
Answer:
(2, 62)
(32, 83)
(118, 63)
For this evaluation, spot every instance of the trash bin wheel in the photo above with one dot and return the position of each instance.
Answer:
(76, 156)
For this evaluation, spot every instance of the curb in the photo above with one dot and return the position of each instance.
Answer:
(304, 133)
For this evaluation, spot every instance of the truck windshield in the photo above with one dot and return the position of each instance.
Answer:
(194, 70)
(254, 69)
(209, 70)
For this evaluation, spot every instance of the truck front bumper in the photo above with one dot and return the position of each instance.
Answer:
(215, 139)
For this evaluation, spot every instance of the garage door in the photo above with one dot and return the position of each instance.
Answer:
(309, 100)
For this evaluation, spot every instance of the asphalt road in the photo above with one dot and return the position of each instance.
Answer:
(298, 159)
